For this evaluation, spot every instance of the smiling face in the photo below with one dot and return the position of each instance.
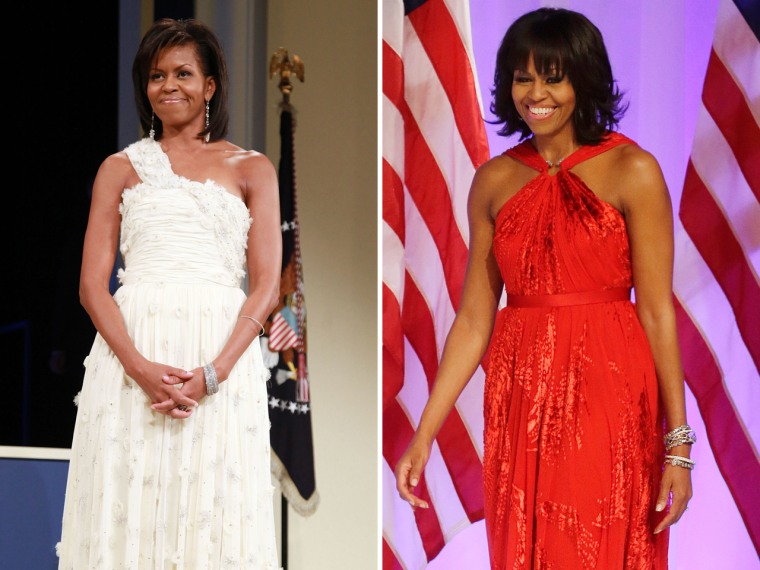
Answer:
(177, 88)
(545, 101)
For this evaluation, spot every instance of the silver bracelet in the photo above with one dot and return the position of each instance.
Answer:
(678, 461)
(261, 332)
(679, 436)
(212, 382)
(682, 440)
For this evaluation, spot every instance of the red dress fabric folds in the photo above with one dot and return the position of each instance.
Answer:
(573, 443)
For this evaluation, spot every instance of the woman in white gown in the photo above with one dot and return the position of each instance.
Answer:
(170, 460)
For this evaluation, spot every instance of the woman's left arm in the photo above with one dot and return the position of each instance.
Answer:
(264, 259)
(648, 212)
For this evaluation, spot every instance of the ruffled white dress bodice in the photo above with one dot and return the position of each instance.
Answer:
(201, 227)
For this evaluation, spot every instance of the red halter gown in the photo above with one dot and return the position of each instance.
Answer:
(573, 448)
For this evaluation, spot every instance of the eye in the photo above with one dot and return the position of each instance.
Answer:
(522, 79)
(184, 73)
(554, 79)
(156, 76)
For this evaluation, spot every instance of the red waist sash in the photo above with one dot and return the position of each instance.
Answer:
(568, 299)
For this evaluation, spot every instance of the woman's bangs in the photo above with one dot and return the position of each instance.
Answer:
(548, 57)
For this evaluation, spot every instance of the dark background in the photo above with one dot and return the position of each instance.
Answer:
(61, 111)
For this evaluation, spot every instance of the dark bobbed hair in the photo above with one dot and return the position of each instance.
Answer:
(566, 43)
(168, 33)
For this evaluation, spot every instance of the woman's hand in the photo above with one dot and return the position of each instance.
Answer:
(409, 471)
(675, 485)
(165, 396)
(193, 387)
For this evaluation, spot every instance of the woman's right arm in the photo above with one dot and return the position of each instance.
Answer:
(468, 338)
(100, 243)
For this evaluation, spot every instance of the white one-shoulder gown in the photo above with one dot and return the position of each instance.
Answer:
(146, 491)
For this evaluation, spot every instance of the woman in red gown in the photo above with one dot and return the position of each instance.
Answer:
(582, 385)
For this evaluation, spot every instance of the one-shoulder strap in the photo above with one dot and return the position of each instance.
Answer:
(149, 161)
(526, 153)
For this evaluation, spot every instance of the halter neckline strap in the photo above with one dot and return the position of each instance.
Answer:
(526, 153)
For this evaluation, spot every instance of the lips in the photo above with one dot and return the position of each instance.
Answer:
(540, 112)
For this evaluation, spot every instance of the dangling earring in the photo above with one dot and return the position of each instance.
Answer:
(152, 133)
(208, 134)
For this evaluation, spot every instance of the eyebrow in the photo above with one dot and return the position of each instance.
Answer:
(180, 66)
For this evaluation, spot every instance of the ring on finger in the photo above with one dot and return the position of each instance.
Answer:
(183, 407)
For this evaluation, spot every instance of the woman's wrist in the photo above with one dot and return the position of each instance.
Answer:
(221, 368)
(678, 442)
(680, 450)
(423, 437)
(212, 381)
(134, 364)
(678, 436)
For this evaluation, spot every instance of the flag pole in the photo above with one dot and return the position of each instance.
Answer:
(283, 65)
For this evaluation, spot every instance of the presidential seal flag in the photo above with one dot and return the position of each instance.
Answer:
(285, 346)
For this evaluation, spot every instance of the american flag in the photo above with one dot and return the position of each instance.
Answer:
(282, 334)
(433, 140)
(717, 290)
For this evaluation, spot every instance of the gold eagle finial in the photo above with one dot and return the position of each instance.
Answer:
(282, 64)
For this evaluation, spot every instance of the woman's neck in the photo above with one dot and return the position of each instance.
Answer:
(554, 149)
(185, 140)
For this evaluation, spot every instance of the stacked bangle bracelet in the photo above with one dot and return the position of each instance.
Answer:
(679, 436)
(212, 382)
(682, 435)
(678, 461)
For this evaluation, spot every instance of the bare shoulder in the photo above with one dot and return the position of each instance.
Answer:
(637, 167)
(497, 180)
(496, 170)
(253, 170)
(251, 160)
(247, 163)
(636, 177)
(116, 173)
(117, 162)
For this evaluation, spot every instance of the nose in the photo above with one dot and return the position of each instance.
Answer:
(538, 89)
(170, 84)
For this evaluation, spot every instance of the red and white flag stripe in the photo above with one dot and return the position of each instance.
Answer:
(716, 282)
(433, 140)
(281, 334)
